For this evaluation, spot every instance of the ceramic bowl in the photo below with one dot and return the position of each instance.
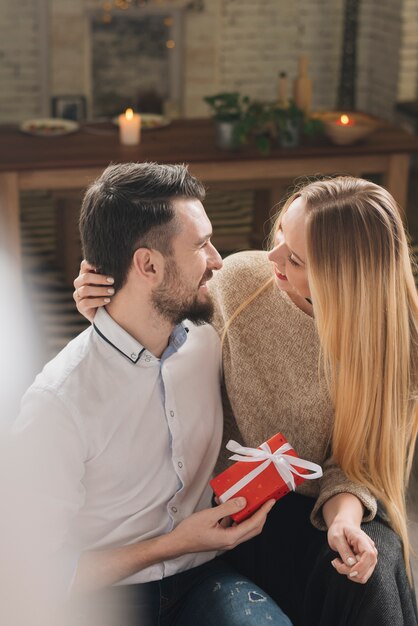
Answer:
(359, 126)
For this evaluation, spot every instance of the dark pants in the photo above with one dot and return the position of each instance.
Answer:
(212, 594)
(291, 561)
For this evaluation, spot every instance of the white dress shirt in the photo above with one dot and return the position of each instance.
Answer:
(119, 446)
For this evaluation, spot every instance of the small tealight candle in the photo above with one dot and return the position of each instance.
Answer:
(129, 128)
(345, 121)
(344, 129)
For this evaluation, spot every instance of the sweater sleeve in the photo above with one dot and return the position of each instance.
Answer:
(230, 287)
(333, 482)
(219, 313)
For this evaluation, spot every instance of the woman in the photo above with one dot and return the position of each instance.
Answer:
(325, 351)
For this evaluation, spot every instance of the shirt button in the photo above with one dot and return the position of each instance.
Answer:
(174, 509)
(148, 358)
(133, 355)
(172, 413)
(180, 464)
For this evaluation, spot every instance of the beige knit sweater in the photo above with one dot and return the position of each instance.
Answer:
(272, 376)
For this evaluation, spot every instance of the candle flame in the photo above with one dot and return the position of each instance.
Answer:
(344, 119)
(129, 114)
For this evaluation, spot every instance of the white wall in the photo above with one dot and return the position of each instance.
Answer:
(233, 44)
(22, 73)
(257, 40)
(408, 58)
(379, 48)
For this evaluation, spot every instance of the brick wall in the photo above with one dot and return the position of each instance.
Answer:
(21, 61)
(233, 44)
(69, 59)
(380, 42)
(201, 57)
(408, 62)
(259, 39)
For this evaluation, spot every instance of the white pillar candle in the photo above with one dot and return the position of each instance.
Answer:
(129, 128)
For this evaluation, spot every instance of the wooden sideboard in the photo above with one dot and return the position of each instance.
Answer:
(73, 161)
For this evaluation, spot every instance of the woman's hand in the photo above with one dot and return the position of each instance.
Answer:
(358, 554)
(91, 290)
(343, 514)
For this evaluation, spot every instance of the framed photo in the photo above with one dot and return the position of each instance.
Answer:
(69, 107)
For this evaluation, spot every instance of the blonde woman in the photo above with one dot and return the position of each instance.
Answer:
(319, 340)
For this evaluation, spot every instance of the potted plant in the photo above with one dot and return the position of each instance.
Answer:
(228, 110)
(288, 122)
(239, 120)
(312, 128)
(256, 122)
(291, 124)
(269, 123)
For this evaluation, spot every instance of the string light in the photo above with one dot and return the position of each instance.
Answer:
(189, 5)
(122, 5)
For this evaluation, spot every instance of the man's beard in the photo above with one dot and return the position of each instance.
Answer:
(175, 302)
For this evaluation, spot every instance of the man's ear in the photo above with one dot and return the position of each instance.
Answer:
(148, 265)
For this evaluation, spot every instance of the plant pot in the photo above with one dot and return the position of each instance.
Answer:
(226, 136)
(289, 134)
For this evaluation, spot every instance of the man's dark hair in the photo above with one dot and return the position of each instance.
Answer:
(128, 207)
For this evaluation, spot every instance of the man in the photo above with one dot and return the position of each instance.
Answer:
(121, 431)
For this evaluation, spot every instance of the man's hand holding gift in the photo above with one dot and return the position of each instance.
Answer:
(211, 529)
(261, 474)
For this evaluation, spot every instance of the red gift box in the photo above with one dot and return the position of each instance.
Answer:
(261, 474)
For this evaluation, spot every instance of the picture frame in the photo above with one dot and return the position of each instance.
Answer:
(69, 107)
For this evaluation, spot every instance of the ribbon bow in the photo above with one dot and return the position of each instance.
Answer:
(285, 465)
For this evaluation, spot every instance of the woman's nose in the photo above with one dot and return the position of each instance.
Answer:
(275, 252)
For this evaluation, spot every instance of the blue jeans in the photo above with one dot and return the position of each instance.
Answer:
(212, 594)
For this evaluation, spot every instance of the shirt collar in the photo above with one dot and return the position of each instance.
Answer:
(123, 342)
(177, 339)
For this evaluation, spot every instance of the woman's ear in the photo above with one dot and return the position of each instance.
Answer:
(148, 265)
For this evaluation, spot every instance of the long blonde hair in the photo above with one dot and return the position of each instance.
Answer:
(366, 310)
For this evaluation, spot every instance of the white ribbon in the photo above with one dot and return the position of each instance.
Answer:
(285, 465)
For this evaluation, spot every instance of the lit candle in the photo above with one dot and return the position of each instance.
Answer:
(129, 128)
(344, 129)
(345, 121)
